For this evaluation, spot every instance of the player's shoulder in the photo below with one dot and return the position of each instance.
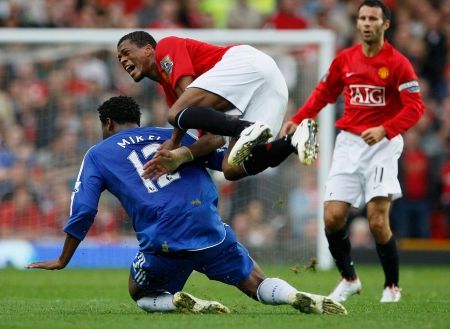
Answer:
(97, 149)
(346, 54)
(349, 51)
(395, 55)
(93, 153)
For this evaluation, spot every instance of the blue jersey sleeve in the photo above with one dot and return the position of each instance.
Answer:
(214, 159)
(85, 198)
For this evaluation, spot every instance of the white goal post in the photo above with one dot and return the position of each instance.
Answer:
(323, 39)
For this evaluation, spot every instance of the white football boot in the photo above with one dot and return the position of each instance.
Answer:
(391, 295)
(188, 303)
(305, 141)
(253, 135)
(316, 304)
(345, 289)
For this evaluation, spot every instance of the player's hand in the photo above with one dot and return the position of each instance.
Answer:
(161, 164)
(47, 265)
(373, 135)
(154, 169)
(166, 161)
(288, 128)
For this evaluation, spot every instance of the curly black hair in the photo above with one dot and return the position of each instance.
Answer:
(121, 109)
(140, 38)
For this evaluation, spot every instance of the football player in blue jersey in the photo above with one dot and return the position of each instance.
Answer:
(178, 228)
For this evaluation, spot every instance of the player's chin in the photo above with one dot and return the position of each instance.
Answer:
(137, 77)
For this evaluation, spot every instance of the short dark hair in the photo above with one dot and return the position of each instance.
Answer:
(140, 38)
(379, 4)
(121, 109)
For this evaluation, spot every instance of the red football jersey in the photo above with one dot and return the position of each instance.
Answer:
(178, 57)
(379, 90)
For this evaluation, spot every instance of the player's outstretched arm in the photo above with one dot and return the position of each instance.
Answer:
(166, 161)
(70, 245)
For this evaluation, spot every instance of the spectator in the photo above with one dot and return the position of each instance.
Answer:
(445, 186)
(193, 17)
(252, 228)
(360, 235)
(20, 216)
(411, 212)
(147, 13)
(18, 161)
(168, 16)
(243, 16)
(303, 204)
(286, 17)
(436, 53)
(331, 15)
(57, 95)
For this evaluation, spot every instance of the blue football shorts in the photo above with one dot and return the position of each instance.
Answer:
(228, 262)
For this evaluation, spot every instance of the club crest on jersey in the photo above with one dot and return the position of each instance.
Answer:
(167, 64)
(367, 95)
(383, 72)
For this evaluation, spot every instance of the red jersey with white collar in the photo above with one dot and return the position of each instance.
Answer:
(178, 57)
(379, 90)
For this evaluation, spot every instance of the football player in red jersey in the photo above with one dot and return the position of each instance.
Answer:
(382, 100)
(201, 83)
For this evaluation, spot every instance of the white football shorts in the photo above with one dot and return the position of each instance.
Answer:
(360, 172)
(252, 82)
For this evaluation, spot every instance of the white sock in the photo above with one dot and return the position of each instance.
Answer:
(275, 291)
(157, 303)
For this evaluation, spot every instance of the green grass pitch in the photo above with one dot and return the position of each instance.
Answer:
(85, 299)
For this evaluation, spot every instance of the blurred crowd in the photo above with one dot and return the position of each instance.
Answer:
(48, 118)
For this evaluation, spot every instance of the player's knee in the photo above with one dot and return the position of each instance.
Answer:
(172, 116)
(334, 219)
(379, 226)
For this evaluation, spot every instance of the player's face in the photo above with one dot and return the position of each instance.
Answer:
(370, 24)
(135, 60)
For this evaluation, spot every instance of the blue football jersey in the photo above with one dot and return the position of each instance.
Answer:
(176, 212)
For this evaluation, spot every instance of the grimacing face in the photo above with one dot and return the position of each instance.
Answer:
(136, 61)
(370, 24)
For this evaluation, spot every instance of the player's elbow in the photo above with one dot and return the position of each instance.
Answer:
(171, 117)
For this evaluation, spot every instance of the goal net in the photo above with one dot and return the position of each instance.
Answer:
(53, 80)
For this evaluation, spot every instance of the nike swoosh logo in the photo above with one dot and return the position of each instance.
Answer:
(349, 74)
